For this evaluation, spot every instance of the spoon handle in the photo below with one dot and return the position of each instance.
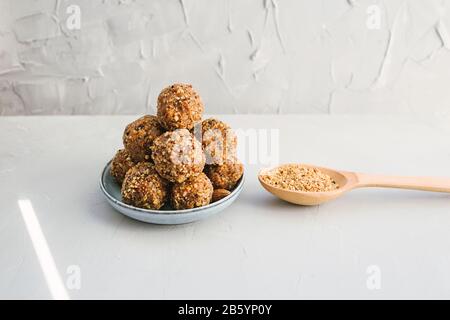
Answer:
(414, 183)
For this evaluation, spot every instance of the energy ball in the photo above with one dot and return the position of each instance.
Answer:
(219, 141)
(120, 164)
(192, 193)
(139, 135)
(179, 106)
(225, 176)
(178, 155)
(144, 188)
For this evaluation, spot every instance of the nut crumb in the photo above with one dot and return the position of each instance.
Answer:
(296, 177)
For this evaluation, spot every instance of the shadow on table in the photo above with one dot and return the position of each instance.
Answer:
(266, 203)
(380, 195)
(117, 220)
(356, 199)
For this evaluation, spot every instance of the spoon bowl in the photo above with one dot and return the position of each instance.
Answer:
(347, 181)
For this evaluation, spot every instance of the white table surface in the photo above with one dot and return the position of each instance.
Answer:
(260, 247)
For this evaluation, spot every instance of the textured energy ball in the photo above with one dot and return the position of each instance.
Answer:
(225, 176)
(178, 155)
(219, 141)
(192, 193)
(120, 164)
(139, 135)
(179, 106)
(144, 188)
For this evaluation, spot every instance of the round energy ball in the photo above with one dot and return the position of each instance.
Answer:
(179, 106)
(195, 192)
(178, 155)
(144, 188)
(219, 141)
(225, 176)
(139, 135)
(120, 164)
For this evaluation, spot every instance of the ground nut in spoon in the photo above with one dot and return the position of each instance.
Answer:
(346, 181)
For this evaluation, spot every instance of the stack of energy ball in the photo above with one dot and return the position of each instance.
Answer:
(175, 157)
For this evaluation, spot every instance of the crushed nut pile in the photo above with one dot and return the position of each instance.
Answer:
(299, 178)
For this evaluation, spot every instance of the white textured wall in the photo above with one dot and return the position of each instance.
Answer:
(249, 56)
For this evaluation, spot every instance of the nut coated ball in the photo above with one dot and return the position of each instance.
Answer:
(139, 135)
(218, 140)
(179, 106)
(144, 188)
(178, 155)
(192, 193)
(225, 176)
(120, 164)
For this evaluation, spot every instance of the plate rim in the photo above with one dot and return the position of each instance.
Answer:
(171, 212)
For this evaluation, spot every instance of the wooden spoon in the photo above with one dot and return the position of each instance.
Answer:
(352, 180)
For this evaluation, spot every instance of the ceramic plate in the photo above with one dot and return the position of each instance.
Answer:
(111, 190)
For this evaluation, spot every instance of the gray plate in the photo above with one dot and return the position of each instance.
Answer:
(111, 190)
